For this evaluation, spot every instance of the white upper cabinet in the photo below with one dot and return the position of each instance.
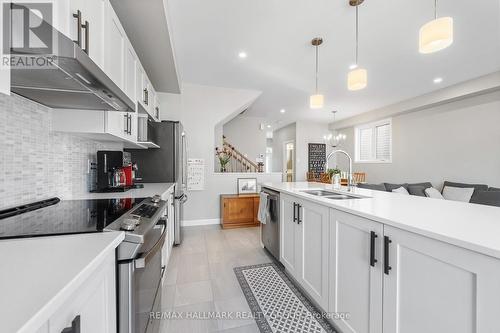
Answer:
(86, 26)
(115, 41)
(140, 89)
(355, 276)
(99, 125)
(436, 287)
(157, 107)
(130, 72)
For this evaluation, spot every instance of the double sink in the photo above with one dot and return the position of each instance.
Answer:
(331, 195)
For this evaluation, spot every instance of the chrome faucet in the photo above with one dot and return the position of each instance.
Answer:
(349, 175)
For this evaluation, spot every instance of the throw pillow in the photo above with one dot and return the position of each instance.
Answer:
(376, 187)
(425, 184)
(490, 198)
(417, 190)
(431, 192)
(401, 190)
(477, 187)
(389, 187)
(463, 194)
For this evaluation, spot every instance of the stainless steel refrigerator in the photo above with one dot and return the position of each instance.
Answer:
(168, 164)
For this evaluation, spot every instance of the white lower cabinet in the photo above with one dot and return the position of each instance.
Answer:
(92, 308)
(355, 272)
(305, 246)
(313, 250)
(436, 287)
(379, 279)
(289, 235)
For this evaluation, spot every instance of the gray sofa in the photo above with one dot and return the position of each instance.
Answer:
(483, 194)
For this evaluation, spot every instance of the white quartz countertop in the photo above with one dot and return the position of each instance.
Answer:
(472, 226)
(149, 190)
(38, 274)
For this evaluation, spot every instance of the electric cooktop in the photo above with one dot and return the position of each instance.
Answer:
(61, 217)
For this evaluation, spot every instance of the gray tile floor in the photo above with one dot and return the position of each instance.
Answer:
(200, 278)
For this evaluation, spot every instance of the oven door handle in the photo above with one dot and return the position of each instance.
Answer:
(142, 261)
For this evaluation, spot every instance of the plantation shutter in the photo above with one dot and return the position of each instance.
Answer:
(383, 142)
(365, 144)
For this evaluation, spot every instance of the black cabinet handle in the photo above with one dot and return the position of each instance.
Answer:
(299, 218)
(294, 212)
(373, 261)
(387, 267)
(86, 27)
(75, 326)
(78, 17)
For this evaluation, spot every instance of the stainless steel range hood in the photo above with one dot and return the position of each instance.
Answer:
(68, 78)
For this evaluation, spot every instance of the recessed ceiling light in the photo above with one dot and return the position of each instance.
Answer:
(282, 110)
(353, 66)
(242, 55)
(268, 126)
(438, 80)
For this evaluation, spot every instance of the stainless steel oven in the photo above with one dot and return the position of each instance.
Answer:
(139, 267)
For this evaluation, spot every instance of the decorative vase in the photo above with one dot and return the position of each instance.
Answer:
(336, 181)
(222, 168)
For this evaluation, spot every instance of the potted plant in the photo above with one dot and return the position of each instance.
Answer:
(333, 172)
(224, 157)
(335, 176)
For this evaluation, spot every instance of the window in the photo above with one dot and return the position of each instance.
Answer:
(374, 142)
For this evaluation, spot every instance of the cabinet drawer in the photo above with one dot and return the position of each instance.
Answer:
(94, 302)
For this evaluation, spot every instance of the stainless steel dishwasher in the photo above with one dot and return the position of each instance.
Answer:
(271, 230)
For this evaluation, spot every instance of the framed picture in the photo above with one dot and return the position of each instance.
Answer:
(247, 185)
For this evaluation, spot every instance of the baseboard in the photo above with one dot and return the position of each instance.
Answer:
(190, 223)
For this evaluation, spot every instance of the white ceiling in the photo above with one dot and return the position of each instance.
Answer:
(276, 34)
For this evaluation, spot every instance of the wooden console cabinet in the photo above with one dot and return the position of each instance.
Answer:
(239, 211)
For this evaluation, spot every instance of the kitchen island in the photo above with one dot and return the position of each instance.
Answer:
(395, 263)
(46, 282)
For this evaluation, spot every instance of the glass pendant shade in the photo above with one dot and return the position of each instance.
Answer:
(436, 35)
(357, 79)
(317, 101)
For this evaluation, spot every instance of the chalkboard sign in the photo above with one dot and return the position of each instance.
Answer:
(317, 157)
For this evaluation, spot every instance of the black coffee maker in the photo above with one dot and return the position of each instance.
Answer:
(110, 171)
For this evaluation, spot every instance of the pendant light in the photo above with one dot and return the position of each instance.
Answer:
(358, 77)
(317, 100)
(437, 34)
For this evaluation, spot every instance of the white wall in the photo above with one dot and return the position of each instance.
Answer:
(307, 132)
(280, 136)
(245, 134)
(202, 109)
(457, 141)
(37, 163)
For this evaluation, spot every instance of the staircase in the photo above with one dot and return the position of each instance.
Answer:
(238, 162)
